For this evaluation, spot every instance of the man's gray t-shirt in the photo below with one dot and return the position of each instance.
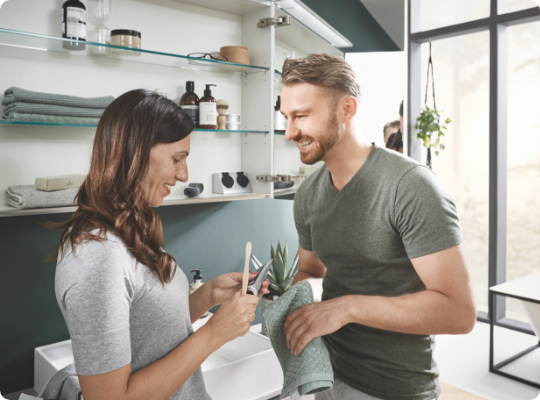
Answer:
(391, 211)
(118, 312)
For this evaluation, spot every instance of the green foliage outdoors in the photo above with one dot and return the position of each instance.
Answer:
(280, 275)
(429, 130)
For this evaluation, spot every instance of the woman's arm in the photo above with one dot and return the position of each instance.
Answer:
(161, 379)
(200, 301)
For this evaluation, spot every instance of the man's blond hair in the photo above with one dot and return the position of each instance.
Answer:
(330, 72)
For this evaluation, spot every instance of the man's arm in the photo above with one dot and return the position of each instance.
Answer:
(447, 305)
(309, 266)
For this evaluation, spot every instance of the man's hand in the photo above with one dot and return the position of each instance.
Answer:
(314, 320)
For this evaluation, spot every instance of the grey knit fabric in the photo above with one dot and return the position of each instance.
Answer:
(16, 94)
(311, 371)
(26, 196)
(48, 109)
(64, 385)
(51, 119)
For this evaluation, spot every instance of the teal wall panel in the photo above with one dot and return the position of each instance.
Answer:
(353, 20)
(211, 237)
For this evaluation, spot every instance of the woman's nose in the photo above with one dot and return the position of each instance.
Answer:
(182, 174)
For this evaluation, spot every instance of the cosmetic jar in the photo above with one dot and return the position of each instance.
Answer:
(232, 126)
(234, 118)
(126, 38)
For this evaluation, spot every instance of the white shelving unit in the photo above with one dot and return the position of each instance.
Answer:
(32, 57)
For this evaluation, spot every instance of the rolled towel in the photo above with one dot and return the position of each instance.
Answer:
(47, 109)
(311, 371)
(26, 196)
(16, 94)
(52, 119)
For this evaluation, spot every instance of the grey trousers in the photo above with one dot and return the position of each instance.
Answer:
(342, 391)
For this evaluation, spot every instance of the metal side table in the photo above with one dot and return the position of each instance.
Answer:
(526, 289)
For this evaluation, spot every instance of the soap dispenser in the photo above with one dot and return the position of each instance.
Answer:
(208, 110)
(197, 283)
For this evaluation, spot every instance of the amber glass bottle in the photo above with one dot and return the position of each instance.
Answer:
(190, 103)
(74, 24)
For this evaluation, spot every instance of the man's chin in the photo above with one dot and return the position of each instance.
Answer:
(309, 159)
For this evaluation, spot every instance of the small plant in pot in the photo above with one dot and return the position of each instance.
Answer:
(280, 275)
(429, 129)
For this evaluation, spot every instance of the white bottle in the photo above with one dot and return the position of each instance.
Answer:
(197, 283)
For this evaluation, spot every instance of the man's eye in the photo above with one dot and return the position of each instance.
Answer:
(177, 161)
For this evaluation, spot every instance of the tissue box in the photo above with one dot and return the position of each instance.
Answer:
(51, 183)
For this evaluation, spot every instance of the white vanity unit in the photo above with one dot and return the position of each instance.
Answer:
(244, 369)
(32, 57)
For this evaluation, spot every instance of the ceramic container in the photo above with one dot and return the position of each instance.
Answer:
(235, 54)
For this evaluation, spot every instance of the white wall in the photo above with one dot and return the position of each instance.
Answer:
(382, 78)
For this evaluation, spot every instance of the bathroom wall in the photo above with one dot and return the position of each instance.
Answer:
(211, 237)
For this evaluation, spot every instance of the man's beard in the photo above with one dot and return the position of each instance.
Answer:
(324, 143)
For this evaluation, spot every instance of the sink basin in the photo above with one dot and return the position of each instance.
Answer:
(244, 369)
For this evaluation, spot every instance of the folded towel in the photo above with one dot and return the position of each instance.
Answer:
(311, 371)
(26, 196)
(64, 385)
(16, 94)
(47, 109)
(52, 119)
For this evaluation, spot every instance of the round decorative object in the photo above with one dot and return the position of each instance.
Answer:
(265, 302)
(235, 54)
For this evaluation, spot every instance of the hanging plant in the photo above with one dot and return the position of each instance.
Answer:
(429, 131)
(427, 127)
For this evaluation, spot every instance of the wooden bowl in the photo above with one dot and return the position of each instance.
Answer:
(235, 54)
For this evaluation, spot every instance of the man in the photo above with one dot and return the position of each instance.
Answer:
(389, 129)
(383, 233)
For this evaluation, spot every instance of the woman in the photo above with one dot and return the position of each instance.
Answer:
(124, 299)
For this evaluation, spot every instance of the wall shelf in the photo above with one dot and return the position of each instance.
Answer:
(7, 211)
(22, 123)
(35, 41)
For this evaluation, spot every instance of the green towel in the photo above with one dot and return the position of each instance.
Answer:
(48, 109)
(52, 119)
(311, 371)
(16, 94)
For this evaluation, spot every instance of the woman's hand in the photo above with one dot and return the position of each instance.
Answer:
(234, 318)
(225, 286)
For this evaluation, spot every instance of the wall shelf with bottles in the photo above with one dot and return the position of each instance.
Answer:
(35, 41)
(24, 123)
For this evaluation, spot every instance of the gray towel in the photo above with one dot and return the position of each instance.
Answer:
(52, 119)
(16, 94)
(311, 371)
(26, 196)
(47, 109)
(64, 385)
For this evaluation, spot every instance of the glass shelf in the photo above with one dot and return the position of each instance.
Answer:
(35, 41)
(23, 123)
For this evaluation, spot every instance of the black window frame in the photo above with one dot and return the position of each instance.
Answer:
(497, 26)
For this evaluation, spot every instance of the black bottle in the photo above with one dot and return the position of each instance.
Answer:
(74, 24)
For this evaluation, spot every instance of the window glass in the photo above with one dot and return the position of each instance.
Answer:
(436, 14)
(523, 225)
(461, 66)
(506, 6)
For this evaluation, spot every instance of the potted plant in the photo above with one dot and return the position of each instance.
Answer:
(429, 130)
(280, 275)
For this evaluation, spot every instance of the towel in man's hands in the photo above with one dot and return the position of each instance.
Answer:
(64, 385)
(26, 196)
(311, 371)
(16, 94)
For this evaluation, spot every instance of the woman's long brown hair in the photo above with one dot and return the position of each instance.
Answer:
(111, 197)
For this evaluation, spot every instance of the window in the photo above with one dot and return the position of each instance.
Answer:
(436, 14)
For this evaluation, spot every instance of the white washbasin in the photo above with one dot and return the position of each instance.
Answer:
(244, 369)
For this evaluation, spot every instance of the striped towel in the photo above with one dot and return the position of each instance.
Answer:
(52, 119)
(47, 109)
(15, 95)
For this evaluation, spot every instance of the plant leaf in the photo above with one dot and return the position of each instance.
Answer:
(256, 262)
(285, 256)
(272, 251)
(279, 271)
(287, 284)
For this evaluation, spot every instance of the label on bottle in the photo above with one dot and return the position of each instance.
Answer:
(74, 26)
(280, 123)
(193, 112)
(207, 113)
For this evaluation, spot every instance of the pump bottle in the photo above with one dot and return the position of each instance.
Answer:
(197, 283)
(208, 110)
(190, 103)
(280, 123)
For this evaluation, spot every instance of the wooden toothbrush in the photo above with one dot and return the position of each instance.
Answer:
(245, 277)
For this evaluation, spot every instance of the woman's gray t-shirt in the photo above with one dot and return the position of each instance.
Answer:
(117, 312)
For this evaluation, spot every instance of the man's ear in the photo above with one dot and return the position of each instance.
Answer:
(349, 108)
